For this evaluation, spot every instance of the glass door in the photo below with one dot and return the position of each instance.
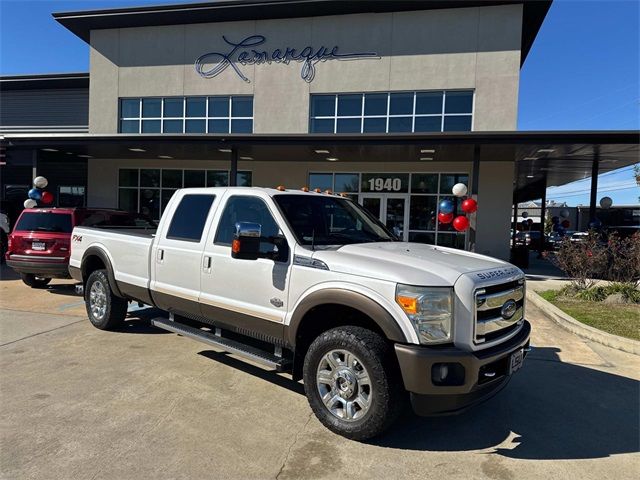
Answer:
(391, 210)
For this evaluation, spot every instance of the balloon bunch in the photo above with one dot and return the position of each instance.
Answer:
(560, 224)
(446, 208)
(37, 194)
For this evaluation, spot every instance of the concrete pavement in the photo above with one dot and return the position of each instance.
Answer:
(76, 402)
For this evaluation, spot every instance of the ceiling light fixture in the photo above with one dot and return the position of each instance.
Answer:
(530, 158)
(546, 150)
(333, 159)
(426, 159)
(530, 176)
(69, 153)
(137, 150)
(246, 158)
(48, 149)
(165, 156)
(224, 150)
(427, 150)
(85, 156)
(322, 151)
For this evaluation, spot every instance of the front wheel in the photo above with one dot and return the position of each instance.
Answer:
(352, 382)
(106, 311)
(33, 281)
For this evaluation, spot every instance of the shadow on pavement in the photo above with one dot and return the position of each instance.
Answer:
(139, 321)
(556, 411)
(68, 289)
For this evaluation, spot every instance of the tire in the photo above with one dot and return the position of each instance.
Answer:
(4, 243)
(362, 408)
(105, 310)
(33, 281)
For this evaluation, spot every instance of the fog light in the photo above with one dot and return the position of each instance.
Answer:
(447, 374)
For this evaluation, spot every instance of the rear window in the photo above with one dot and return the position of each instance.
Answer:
(44, 222)
(189, 218)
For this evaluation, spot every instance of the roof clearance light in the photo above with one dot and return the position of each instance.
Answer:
(317, 190)
(328, 192)
(305, 189)
(280, 188)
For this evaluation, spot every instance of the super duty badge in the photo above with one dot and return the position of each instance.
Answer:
(501, 272)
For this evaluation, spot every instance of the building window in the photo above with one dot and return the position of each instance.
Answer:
(219, 114)
(393, 112)
(71, 196)
(406, 202)
(148, 190)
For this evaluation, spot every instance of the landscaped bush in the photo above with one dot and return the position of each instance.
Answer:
(628, 291)
(624, 258)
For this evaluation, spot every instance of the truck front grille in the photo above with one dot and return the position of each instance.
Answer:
(499, 310)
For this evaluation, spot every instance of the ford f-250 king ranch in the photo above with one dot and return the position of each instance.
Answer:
(312, 284)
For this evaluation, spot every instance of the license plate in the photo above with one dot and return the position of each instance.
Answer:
(38, 246)
(516, 361)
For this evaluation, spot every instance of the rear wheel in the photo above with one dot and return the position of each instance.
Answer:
(106, 311)
(352, 382)
(34, 281)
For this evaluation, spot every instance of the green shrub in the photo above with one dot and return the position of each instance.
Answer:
(597, 294)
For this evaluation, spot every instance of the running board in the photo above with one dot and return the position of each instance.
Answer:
(258, 355)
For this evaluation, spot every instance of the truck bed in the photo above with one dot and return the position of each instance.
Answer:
(128, 249)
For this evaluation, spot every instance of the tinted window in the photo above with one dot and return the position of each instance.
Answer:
(246, 209)
(44, 222)
(189, 218)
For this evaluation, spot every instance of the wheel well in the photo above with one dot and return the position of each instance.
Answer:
(90, 265)
(322, 318)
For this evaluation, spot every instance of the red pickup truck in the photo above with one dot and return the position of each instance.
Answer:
(38, 246)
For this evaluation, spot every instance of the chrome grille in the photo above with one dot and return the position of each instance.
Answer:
(498, 311)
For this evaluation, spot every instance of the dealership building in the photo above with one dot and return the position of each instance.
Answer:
(389, 102)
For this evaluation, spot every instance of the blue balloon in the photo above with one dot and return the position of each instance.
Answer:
(595, 224)
(446, 206)
(35, 194)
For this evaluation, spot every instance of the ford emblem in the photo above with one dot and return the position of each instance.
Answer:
(508, 310)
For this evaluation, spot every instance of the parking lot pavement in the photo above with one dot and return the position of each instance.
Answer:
(76, 402)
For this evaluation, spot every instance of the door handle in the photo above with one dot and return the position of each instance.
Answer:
(160, 255)
(206, 264)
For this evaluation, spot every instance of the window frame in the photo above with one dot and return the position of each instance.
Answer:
(184, 118)
(413, 115)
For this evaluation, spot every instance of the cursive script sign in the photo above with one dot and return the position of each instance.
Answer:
(244, 53)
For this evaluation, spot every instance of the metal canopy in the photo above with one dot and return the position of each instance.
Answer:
(542, 158)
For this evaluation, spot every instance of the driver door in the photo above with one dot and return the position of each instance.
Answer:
(246, 294)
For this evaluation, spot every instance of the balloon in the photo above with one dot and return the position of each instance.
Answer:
(47, 197)
(30, 203)
(35, 194)
(525, 214)
(555, 220)
(530, 222)
(564, 213)
(566, 224)
(459, 190)
(446, 206)
(595, 224)
(445, 217)
(40, 182)
(461, 223)
(469, 205)
(606, 202)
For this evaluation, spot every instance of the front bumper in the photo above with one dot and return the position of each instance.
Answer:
(479, 375)
(41, 268)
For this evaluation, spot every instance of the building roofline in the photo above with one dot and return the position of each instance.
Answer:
(45, 80)
(82, 22)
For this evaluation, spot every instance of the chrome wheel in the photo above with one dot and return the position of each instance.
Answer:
(344, 385)
(98, 300)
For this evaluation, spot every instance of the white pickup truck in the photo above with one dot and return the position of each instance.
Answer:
(312, 284)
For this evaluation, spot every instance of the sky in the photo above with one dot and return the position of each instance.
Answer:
(583, 72)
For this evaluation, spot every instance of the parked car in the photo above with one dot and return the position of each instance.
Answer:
(314, 285)
(529, 238)
(554, 240)
(5, 229)
(579, 236)
(38, 247)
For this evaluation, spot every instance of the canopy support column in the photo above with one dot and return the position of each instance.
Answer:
(233, 171)
(594, 183)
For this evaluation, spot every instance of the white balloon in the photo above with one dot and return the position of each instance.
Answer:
(606, 202)
(40, 182)
(30, 203)
(564, 213)
(525, 214)
(459, 190)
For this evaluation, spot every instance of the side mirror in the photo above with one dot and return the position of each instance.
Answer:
(246, 241)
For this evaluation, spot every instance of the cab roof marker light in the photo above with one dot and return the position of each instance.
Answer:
(317, 190)
(305, 189)
(280, 188)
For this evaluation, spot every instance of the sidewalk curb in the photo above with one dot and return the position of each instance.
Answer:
(585, 331)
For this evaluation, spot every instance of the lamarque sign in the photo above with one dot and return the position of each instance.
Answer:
(244, 52)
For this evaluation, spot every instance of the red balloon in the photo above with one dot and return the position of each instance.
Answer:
(566, 224)
(47, 197)
(469, 205)
(461, 223)
(445, 217)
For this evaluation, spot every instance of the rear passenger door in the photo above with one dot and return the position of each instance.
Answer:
(176, 257)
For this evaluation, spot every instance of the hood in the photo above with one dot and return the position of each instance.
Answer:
(409, 263)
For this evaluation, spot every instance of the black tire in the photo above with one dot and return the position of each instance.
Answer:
(4, 244)
(386, 392)
(105, 310)
(33, 281)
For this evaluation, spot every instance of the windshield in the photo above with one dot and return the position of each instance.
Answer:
(44, 222)
(325, 220)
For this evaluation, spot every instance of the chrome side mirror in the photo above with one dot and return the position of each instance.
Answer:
(246, 241)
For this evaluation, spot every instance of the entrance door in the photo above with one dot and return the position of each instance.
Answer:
(389, 209)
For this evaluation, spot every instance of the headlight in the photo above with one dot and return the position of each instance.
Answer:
(430, 309)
